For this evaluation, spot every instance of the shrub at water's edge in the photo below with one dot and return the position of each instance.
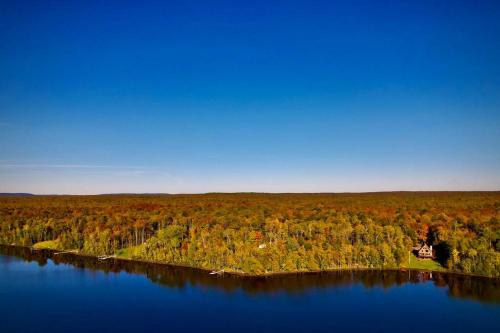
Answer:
(49, 244)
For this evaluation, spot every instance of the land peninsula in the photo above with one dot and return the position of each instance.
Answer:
(259, 234)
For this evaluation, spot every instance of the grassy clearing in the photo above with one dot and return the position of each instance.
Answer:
(50, 244)
(128, 252)
(427, 264)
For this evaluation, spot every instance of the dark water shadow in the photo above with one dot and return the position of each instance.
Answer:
(485, 290)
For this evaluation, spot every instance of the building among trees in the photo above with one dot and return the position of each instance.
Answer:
(424, 251)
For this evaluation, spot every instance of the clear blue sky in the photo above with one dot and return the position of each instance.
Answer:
(199, 96)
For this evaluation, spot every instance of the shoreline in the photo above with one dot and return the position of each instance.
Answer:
(247, 275)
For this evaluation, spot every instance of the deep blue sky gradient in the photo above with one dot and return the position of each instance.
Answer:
(197, 96)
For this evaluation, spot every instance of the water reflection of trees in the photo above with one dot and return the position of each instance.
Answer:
(459, 286)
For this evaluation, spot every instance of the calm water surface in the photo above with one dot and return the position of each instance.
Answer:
(43, 292)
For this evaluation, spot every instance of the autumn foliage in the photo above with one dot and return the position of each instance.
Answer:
(266, 233)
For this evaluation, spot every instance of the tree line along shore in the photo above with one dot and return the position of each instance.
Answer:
(258, 234)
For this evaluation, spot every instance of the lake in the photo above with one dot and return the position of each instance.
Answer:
(44, 292)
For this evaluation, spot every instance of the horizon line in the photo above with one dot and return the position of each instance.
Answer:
(6, 194)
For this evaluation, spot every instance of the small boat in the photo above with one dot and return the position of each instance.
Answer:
(217, 272)
(105, 257)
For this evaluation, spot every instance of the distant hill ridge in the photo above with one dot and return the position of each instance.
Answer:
(5, 194)
(17, 195)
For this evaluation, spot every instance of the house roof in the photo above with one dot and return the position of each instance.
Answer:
(424, 248)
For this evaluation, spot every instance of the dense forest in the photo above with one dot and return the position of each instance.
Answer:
(266, 233)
